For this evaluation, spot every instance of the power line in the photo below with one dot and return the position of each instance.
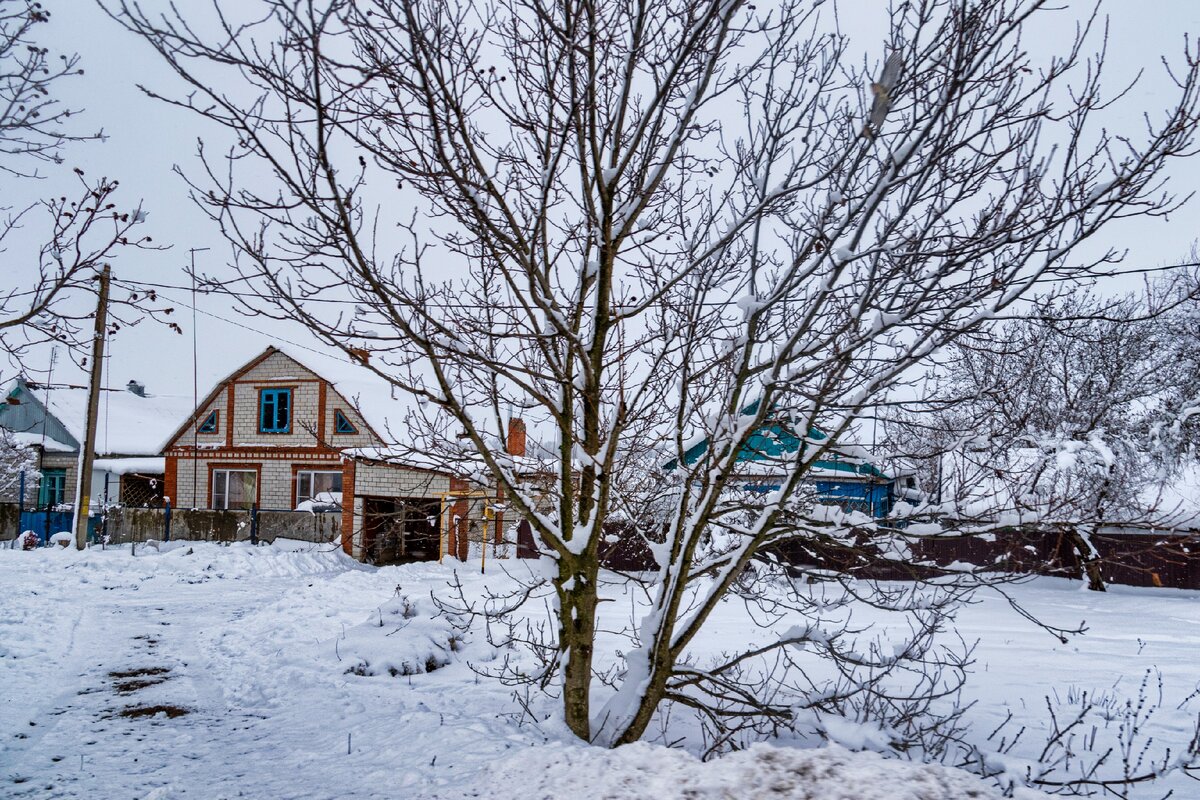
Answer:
(243, 326)
(515, 306)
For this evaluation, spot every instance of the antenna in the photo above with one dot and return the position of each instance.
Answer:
(195, 387)
(107, 382)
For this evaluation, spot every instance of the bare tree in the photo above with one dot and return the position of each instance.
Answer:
(656, 228)
(66, 238)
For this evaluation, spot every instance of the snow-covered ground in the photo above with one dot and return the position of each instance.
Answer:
(287, 671)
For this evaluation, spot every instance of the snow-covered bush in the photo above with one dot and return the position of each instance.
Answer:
(404, 636)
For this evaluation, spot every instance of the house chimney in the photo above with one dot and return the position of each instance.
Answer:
(137, 388)
(516, 437)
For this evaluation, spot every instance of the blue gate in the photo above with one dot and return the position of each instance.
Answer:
(47, 523)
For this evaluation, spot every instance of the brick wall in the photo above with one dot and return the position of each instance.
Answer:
(68, 462)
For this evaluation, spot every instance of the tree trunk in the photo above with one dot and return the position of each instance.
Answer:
(1089, 558)
(576, 587)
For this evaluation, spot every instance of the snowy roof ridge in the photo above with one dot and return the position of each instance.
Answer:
(353, 382)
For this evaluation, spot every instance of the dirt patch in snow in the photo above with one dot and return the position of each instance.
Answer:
(142, 672)
(137, 712)
(136, 684)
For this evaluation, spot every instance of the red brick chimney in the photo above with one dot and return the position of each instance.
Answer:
(516, 437)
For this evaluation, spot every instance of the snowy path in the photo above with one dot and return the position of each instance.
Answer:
(260, 713)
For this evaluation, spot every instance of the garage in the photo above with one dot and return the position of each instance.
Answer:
(400, 530)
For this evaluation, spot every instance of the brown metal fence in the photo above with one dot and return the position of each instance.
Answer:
(1131, 557)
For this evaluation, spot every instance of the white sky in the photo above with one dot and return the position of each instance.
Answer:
(146, 139)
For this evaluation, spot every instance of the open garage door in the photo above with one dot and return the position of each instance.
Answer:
(400, 530)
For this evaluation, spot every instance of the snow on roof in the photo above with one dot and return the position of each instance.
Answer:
(1177, 501)
(367, 391)
(127, 424)
(397, 456)
(128, 466)
(45, 442)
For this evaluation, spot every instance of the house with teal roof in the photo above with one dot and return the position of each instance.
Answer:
(843, 475)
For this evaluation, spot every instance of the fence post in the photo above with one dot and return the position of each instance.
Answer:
(167, 521)
(254, 523)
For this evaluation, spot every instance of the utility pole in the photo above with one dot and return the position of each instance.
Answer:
(83, 481)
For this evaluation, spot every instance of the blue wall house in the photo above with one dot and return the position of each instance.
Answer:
(128, 469)
(843, 476)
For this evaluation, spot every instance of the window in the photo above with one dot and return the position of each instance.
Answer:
(209, 425)
(313, 485)
(53, 489)
(342, 425)
(274, 410)
(234, 488)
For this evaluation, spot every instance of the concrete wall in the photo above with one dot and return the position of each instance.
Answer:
(9, 518)
(140, 524)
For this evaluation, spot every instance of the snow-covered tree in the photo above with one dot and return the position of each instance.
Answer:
(648, 225)
(1063, 418)
(16, 457)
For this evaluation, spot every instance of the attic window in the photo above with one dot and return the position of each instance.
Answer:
(274, 410)
(209, 425)
(342, 425)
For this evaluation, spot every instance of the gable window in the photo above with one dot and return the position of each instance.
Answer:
(209, 425)
(274, 410)
(53, 488)
(321, 485)
(341, 424)
(234, 488)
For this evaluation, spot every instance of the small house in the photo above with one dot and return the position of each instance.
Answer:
(131, 424)
(270, 435)
(844, 475)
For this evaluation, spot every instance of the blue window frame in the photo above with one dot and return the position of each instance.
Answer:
(341, 424)
(53, 488)
(274, 410)
(209, 425)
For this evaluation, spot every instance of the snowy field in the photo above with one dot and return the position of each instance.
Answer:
(202, 671)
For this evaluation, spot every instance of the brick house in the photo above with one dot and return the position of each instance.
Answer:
(271, 434)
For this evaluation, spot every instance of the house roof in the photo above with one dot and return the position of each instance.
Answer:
(127, 424)
(367, 392)
(776, 441)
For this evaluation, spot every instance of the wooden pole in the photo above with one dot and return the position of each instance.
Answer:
(83, 481)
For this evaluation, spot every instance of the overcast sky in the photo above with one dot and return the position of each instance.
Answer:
(146, 139)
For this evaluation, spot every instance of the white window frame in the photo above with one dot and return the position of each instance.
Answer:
(220, 476)
(309, 473)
